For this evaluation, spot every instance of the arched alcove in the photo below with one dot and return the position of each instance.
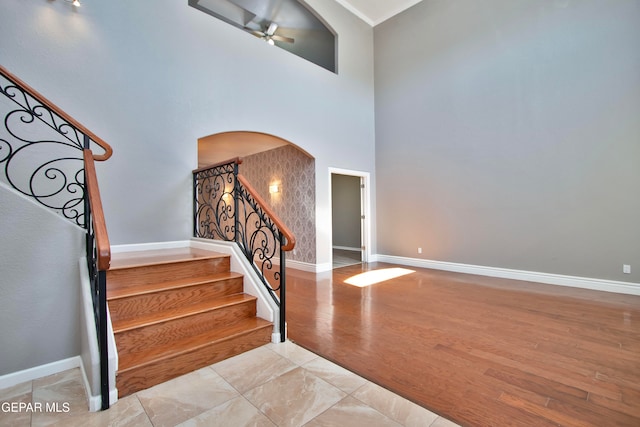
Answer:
(291, 25)
(269, 160)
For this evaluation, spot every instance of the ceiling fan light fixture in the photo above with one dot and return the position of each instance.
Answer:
(76, 3)
(270, 41)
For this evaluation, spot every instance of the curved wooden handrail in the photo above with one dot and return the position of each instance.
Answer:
(236, 160)
(42, 99)
(97, 215)
(288, 235)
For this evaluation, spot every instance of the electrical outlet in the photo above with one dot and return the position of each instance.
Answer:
(419, 250)
(626, 269)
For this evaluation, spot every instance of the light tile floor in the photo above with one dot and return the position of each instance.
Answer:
(273, 385)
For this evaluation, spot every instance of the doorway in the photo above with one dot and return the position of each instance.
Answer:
(349, 217)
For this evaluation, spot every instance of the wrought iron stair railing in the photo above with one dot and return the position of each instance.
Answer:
(47, 155)
(226, 207)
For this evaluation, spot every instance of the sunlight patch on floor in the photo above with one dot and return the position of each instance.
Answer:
(376, 276)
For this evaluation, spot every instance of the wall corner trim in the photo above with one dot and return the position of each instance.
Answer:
(529, 276)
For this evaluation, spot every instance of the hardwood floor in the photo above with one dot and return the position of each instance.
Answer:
(480, 351)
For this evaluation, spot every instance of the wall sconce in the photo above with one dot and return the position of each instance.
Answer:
(274, 188)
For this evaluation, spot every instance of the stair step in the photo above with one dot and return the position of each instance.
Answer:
(179, 312)
(158, 256)
(187, 344)
(149, 288)
(154, 298)
(187, 355)
(138, 269)
(154, 332)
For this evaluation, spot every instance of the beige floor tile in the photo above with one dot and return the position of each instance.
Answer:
(126, 412)
(351, 412)
(237, 412)
(14, 405)
(185, 397)
(345, 380)
(294, 398)
(248, 370)
(393, 406)
(277, 391)
(293, 352)
(59, 378)
(61, 397)
(443, 422)
(6, 394)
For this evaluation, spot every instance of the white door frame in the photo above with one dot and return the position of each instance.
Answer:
(365, 179)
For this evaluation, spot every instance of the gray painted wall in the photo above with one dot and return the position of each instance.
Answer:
(346, 211)
(152, 79)
(39, 284)
(508, 134)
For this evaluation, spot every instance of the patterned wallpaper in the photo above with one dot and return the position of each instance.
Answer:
(294, 172)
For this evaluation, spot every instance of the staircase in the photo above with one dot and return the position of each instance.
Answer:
(177, 310)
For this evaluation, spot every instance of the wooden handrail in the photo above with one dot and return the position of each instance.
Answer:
(42, 99)
(288, 235)
(97, 215)
(236, 160)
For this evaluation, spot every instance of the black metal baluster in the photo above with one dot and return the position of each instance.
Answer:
(58, 183)
(254, 231)
(283, 328)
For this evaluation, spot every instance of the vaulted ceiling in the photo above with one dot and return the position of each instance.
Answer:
(376, 11)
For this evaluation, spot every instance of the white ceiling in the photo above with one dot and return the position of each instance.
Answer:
(374, 12)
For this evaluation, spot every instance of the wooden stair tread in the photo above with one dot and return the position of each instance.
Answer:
(178, 347)
(155, 372)
(176, 310)
(177, 313)
(123, 292)
(121, 260)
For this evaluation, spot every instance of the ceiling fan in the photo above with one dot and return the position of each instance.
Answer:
(270, 35)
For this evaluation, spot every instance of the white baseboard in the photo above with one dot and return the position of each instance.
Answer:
(321, 268)
(15, 378)
(347, 248)
(530, 276)
(95, 402)
(304, 266)
(504, 273)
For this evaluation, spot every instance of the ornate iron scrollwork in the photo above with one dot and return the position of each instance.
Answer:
(214, 201)
(259, 239)
(42, 155)
(225, 210)
(54, 177)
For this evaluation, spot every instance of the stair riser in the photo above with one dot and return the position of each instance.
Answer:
(140, 378)
(134, 306)
(142, 275)
(148, 338)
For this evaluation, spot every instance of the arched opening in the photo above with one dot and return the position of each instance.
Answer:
(281, 172)
(291, 25)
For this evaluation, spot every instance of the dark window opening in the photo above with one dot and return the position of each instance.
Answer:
(287, 24)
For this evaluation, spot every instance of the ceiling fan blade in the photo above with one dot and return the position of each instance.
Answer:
(272, 29)
(256, 33)
(283, 39)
